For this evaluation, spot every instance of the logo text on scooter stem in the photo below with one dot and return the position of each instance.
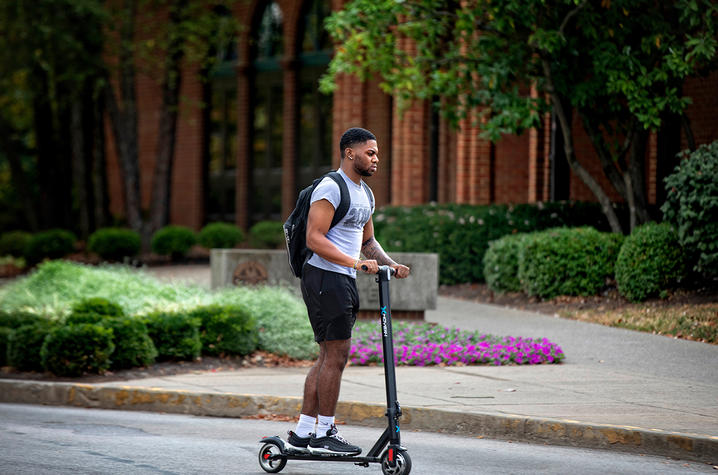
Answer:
(383, 321)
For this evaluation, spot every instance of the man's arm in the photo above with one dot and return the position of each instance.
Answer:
(372, 250)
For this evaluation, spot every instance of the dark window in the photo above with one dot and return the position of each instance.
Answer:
(315, 108)
(222, 150)
(267, 119)
(220, 96)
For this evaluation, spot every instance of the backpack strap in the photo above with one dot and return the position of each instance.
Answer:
(369, 195)
(344, 202)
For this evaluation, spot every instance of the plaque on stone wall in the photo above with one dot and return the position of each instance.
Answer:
(249, 273)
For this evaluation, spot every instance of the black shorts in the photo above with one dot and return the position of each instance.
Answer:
(332, 301)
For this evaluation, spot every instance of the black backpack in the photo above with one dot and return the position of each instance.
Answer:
(295, 228)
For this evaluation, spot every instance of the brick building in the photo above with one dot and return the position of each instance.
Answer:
(266, 133)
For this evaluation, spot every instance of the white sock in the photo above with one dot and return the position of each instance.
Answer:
(325, 423)
(305, 426)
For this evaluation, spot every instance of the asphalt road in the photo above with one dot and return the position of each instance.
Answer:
(56, 440)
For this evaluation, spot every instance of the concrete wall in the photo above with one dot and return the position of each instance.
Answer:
(418, 292)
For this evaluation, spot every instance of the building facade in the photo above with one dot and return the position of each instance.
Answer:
(265, 132)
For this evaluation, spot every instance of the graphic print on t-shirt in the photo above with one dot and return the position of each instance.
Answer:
(356, 218)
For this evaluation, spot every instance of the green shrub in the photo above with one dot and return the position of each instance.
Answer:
(4, 337)
(501, 263)
(266, 235)
(17, 262)
(93, 310)
(173, 241)
(565, 261)
(460, 234)
(51, 244)
(226, 330)
(55, 286)
(73, 350)
(25, 343)
(16, 318)
(692, 206)
(651, 259)
(133, 345)
(175, 335)
(220, 236)
(14, 243)
(114, 244)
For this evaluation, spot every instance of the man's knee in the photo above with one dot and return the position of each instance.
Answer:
(337, 353)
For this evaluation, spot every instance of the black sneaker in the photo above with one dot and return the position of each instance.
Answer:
(332, 444)
(298, 444)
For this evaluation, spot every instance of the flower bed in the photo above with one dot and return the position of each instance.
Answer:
(424, 344)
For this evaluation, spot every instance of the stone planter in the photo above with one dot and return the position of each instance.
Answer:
(410, 297)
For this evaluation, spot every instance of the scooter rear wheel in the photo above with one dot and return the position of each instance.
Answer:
(402, 463)
(266, 458)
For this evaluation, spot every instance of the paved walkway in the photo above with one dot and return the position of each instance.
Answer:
(617, 388)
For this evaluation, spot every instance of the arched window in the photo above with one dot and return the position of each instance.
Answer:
(267, 120)
(315, 108)
(220, 95)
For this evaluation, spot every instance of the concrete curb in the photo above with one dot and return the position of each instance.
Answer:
(696, 447)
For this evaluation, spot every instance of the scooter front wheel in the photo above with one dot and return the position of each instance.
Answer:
(268, 458)
(401, 466)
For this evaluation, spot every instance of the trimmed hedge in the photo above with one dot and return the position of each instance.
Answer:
(266, 235)
(51, 244)
(501, 263)
(133, 345)
(16, 318)
(114, 244)
(173, 241)
(93, 310)
(4, 337)
(220, 236)
(25, 344)
(14, 243)
(73, 350)
(566, 261)
(651, 260)
(460, 234)
(226, 330)
(175, 335)
(692, 206)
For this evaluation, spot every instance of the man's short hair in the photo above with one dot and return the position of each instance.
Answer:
(354, 136)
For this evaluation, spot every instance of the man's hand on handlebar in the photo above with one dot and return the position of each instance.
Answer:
(370, 266)
(402, 271)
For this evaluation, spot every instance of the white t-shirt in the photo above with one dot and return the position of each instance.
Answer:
(347, 234)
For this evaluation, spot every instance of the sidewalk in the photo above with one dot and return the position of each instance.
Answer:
(616, 389)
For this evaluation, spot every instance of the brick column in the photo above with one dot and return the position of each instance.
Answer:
(410, 155)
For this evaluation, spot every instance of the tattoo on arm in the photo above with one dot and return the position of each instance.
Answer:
(373, 250)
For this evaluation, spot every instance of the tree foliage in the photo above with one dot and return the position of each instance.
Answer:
(619, 64)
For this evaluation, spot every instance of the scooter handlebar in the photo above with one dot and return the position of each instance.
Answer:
(392, 271)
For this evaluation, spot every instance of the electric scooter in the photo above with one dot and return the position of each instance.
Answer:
(394, 460)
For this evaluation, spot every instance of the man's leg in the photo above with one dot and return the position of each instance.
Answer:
(310, 405)
(329, 380)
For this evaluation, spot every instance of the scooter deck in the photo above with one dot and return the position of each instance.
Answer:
(292, 454)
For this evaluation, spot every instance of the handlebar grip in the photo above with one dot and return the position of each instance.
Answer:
(392, 271)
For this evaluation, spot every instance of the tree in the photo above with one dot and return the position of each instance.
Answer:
(618, 64)
(187, 32)
(50, 63)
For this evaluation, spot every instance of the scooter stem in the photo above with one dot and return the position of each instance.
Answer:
(392, 405)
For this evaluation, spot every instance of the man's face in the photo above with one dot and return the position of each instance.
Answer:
(365, 157)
